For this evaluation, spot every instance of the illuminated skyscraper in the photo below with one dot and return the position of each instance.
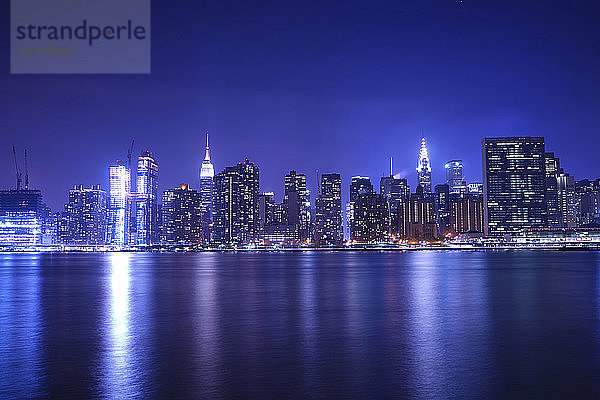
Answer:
(328, 216)
(181, 216)
(235, 204)
(514, 181)
(146, 200)
(394, 191)
(84, 219)
(119, 204)
(454, 175)
(424, 168)
(207, 173)
(297, 203)
(358, 186)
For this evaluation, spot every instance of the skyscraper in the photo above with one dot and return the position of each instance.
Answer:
(328, 214)
(424, 168)
(514, 180)
(84, 218)
(394, 190)
(466, 214)
(297, 203)
(371, 219)
(119, 204)
(416, 217)
(235, 204)
(146, 200)
(442, 207)
(552, 171)
(207, 173)
(359, 185)
(21, 220)
(182, 216)
(454, 175)
(566, 200)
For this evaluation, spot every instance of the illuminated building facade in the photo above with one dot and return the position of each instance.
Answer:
(424, 168)
(296, 201)
(21, 219)
(416, 218)
(371, 219)
(442, 207)
(235, 205)
(466, 214)
(207, 173)
(119, 205)
(359, 185)
(328, 213)
(394, 191)
(146, 200)
(514, 179)
(454, 175)
(182, 216)
(587, 203)
(84, 218)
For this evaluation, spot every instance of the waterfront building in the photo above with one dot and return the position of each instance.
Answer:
(296, 200)
(359, 185)
(565, 185)
(146, 200)
(207, 173)
(21, 219)
(119, 205)
(466, 214)
(416, 218)
(552, 171)
(514, 179)
(424, 168)
(182, 216)
(454, 175)
(442, 207)
(371, 219)
(587, 199)
(83, 221)
(328, 213)
(235, 204)
(394, 191)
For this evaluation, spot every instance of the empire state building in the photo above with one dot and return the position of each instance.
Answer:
(207, 173)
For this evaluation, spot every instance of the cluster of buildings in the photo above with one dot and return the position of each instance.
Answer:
(524, 190)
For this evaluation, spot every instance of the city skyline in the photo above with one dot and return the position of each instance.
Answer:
(316, 99)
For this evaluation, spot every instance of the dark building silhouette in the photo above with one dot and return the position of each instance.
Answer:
(394, 191)
(296, 200)
(514, 179)
(235, 205)
(182, 216)
(359, 185)
(328, 214)
(442, 207)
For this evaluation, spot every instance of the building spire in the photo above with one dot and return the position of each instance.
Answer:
(207, 154)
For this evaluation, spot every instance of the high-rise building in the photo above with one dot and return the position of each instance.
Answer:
(442, 207)
(424, 168)
(21, 221)
(266, 209)
(587, 199)
(84, 218)
(514, 180)
(328, 213)
(359, 185)
(371, 219)
(207, 173)
(552, 171)
(182, 216)
(475, 188)
(297, 204)
(416, 217)
(119, 204)
(454, 175)
(146, 200)
(567, 203)
(466, 214)
(394, 191)
(235, 204)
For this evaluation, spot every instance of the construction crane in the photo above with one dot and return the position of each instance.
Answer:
(17, 169)
(26, 172)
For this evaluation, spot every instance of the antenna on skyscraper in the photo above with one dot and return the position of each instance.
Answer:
(26, 172)
(391, 166)
(318, 186)
(129, 154)
(17, 169)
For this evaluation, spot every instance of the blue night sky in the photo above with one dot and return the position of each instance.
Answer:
(334, 86)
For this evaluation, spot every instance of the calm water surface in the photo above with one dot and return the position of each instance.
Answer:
(423, 325)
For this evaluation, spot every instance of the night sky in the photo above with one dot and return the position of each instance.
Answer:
(334, 86)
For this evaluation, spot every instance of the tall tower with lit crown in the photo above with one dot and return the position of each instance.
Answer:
(424, 168)
(207, 173)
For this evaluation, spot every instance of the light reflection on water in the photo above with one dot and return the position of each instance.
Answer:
(300, 325)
